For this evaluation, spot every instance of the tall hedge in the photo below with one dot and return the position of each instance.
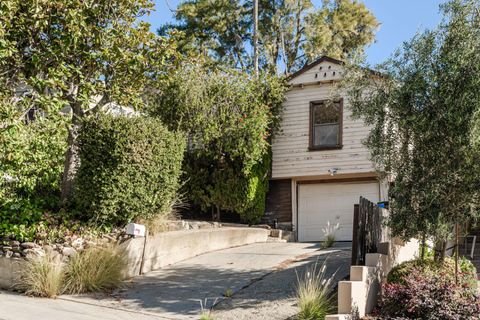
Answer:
(229, 117)
(130, 168)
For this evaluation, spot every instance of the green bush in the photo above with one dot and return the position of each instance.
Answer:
(467, 271)
(130, 168)
(230, 118)
(31, 163)
(239, 192)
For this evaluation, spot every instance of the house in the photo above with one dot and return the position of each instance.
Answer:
(320, 167)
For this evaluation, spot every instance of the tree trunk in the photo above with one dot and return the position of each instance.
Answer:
(424, 244)
(440, 250)
(72, 161)
(215, 213)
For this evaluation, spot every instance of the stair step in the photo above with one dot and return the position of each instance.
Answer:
(275, 239)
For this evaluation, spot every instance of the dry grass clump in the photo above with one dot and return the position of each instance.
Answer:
(42, 276)
(329, 234)
(95, 269)
(314, 293)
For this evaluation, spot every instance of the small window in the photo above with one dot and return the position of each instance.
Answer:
(325, 125)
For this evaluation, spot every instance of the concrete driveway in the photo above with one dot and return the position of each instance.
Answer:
(262, 277)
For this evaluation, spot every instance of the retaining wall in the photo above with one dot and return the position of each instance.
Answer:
(9, 271)
(170, 247)
(160, 250)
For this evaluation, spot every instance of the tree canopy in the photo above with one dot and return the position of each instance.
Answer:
(291, 32)
(424, 110)
(229, 117)
(80, 54)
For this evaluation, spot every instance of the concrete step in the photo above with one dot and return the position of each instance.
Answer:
(375, 260)
(361, 273)
(350, 294)
(338, 317)
(276, 233)
(275, 239)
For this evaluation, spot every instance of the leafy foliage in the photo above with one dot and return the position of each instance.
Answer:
(80, 54)
(31, 161)
(229, 118)
(428, 296)
(422, 111)
(446, 268)
(129, 170)
(291, 33)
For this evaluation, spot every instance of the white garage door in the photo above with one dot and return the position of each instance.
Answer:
(323, 202)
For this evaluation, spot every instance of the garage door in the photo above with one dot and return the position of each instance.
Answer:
(323, 202)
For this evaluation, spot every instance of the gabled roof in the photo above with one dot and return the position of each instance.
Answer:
(313, 64)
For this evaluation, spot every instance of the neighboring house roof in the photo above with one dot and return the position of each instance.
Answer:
(314, 64)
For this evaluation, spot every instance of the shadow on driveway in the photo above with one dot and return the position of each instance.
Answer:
(259, 274)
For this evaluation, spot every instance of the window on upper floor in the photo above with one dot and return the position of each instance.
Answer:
(326, 124)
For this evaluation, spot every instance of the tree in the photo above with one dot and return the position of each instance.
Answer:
(291, 32)
(423, 110)
(228, 117)
(81, 54)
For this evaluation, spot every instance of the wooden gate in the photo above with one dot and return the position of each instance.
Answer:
(367, 230)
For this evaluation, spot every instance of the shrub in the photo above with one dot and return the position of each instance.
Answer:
(31, 162)
(42, 276)
(314, 293)
(328, 241)
(467, 271)
(129, 170)
(96, 269)
(329, 234)
(426, 295)
(230, 118)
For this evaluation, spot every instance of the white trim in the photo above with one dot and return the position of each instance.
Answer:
(294, 209)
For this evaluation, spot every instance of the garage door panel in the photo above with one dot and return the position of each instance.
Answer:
(323, 202)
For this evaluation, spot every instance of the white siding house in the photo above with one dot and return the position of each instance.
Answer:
(320, 155)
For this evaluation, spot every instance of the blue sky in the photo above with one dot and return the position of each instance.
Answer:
(399, 19)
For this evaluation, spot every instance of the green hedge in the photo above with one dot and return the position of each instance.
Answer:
(130, 168)
(31, 162)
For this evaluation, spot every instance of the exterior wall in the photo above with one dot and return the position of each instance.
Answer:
(291, 157)
(279, 203)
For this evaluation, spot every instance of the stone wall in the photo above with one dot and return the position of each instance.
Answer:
(9, 271)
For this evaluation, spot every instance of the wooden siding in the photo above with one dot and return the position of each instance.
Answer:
(279, 201)
(291, 157)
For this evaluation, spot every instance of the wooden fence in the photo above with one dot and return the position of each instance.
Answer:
(367, 230)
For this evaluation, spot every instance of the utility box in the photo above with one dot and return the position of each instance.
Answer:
(137, 230)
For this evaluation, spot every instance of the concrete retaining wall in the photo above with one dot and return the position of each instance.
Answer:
(160, 250)
(170, 247)
(9, 272)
